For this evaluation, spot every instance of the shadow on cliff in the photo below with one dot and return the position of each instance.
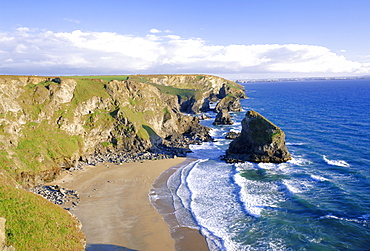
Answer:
(106, 247)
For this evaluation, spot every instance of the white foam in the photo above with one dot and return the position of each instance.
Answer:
(298, 186)
(336, 162)
(299, 161)
(334, 217)
(243, 166)
(292, 188)
(252, 204)
(268, 166)
(214, 132)
(294, 144)
(318, 178)
(213, 204)
(208, 150)
(258, 195)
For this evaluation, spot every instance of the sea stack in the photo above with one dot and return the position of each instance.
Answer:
(223, 118)
(259, 141)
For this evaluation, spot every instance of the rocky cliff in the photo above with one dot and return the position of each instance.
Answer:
(259, 141)
(48, 124)
(52, 123)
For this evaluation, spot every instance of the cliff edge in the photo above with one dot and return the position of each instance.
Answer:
(50, 124)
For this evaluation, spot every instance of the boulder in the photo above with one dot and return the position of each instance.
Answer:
(223, 118)
(232, 135)
(259, 141)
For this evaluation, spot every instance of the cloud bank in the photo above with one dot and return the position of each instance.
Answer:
(28, 51)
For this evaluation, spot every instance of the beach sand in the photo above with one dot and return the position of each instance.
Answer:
(115, 209)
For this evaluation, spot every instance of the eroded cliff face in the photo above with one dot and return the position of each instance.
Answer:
(47, 124)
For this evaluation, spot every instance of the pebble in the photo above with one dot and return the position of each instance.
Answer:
(57, 194)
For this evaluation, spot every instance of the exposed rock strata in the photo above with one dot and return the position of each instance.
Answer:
(259, 141)
(49, 124)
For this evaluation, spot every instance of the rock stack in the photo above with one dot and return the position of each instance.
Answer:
(259, 141)
(223, 118)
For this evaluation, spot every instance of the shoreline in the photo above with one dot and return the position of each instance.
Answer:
(185, 238)
(115, 209)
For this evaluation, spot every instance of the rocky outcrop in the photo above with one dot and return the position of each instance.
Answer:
(232, 135)
(230, 103)
(233, 90)
(223, 118)
(195, 92)
(50, 124)
(259, 141)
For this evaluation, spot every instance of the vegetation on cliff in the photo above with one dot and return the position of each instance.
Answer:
(48, 124)
(260, 141)
(33, 223)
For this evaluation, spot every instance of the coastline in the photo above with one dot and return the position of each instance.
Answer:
(115, 210)
(185, 238)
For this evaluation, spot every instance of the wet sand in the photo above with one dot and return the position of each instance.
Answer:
(115, 209)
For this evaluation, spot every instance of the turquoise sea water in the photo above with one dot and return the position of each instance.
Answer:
(320, 200)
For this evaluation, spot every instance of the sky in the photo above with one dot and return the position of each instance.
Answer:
(234, 39)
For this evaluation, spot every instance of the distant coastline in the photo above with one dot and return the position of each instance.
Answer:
(245, 81)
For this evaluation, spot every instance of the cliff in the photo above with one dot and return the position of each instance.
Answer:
(260, 141)
(48, 124)
(53, 123)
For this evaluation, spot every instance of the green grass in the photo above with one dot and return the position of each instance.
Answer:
(137, 119)
(88, 88)
(33, 223)
(263, 130)
(106, 144)
(99, 118)
(47, 142)
(167, 115)
(183, 93)
(106, 78)
(34, 96)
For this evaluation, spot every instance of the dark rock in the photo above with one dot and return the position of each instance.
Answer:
(223, 118)
(227, 89)
(232, 135)
(203, 116)
(58, 195)
(230, 103)
(259, 141)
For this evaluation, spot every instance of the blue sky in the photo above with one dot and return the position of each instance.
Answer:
(233, 39)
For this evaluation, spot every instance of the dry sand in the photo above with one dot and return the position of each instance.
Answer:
(115, 210)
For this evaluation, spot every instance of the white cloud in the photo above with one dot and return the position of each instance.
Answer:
(79, 52)
(155, 31)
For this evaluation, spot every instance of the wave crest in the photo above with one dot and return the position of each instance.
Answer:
(341, 163)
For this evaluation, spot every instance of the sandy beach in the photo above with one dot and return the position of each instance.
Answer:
(115, 209)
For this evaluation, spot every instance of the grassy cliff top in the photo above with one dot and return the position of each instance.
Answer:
(50, 122)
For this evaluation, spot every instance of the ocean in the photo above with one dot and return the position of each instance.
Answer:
(320, 200)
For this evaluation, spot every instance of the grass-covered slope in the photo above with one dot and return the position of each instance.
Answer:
(33, 223)
(51, 123)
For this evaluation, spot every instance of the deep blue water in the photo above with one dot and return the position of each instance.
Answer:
(320, 200)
